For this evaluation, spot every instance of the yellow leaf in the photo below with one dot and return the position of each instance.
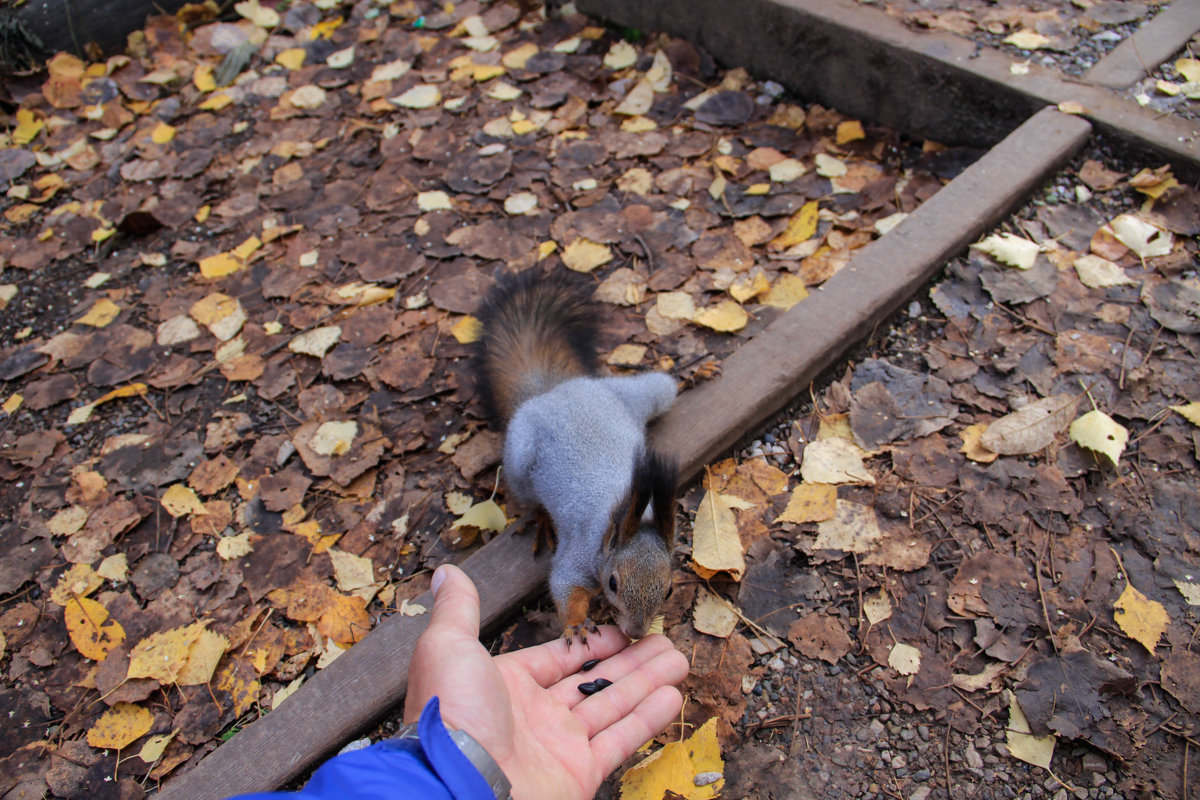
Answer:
(180, 500)
(101, 314)
(326, 27)
(800, 228)
(485, 516)
(423, 95)
(726, 316)
(153, 749)
(28, 127)
(220, 265)
(1099, 432)
(746, 287)
(1072, 107)
(202, 78)
(515, 59)
(788, 290)
(163, 655)
(114, 568)
(351, 571)
(584, 255)
(973, 448)
(546, 248)
(78, 581)
(1036, 750)
(231, 547)
(202, 658)
(810, 502)
(260, 15)
(162, 133)
(1189, 68)
(1154, 183)
(119, 726)
(90, 629)
(215, 102)
(467, 330)
(849, 131)
(237, 677)
(292, 58)
(102, 233)
(1009, 249)
(1140, 617)
(830, 167)
(202, 213)
(13, 403)
(247, 248)
(221, 314)
(716, 546)
(834, 460)
(691, 769)
(1190, 412)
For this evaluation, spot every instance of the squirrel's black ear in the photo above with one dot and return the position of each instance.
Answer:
(654, 480)
(663, 474)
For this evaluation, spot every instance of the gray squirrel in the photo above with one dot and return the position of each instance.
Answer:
(575, 445)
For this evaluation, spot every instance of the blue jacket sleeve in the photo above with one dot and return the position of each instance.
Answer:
(432, 768)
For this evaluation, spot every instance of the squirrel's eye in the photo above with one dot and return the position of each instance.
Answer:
(670, 591)
(612, 582)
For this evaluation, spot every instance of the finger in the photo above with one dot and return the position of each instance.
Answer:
(604, 709)
(620, 740)
(613, 668)
(455, 602)
(549, 663)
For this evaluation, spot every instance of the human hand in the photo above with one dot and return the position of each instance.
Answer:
(525, 708)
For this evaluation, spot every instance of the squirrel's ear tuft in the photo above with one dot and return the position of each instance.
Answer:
(654, 480)
(663, 478)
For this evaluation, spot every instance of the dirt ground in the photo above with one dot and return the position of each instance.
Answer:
(238, 416)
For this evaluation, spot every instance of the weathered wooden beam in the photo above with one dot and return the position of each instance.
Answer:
(869, 65)
(757, 380)
(1148, 46)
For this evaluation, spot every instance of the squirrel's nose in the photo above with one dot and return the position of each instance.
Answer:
(632, 629)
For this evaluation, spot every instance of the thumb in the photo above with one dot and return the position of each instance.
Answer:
(455, 602)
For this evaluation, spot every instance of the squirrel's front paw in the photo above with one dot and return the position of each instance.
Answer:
(580, 632)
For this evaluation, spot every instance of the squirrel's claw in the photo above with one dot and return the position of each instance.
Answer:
(580, 631)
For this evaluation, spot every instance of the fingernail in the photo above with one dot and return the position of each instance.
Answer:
(439, 576)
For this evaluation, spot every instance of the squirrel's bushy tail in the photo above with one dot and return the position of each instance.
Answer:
(538, 330)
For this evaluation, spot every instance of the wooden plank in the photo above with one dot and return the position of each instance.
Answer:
(757, 380)
(767, 372)
(866, 64)
(1149, 46)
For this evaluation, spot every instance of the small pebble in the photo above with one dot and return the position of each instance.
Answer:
(591, 687)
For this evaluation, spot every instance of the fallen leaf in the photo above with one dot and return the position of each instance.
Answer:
(423, 95)
(261, 16)
(716, 546)
(230, 548)
(202, 658)
(834, 461)
(787, 290)
(153, 749)
(854, 528)
(486, 515)
(92, 632)
(691, 769)
(1009, 249)
(1100, 433)
(1190, 412)
(1143, 238)
(905, 659)
(877, 607)
(726, 316)
(1099, 273)
(351, 571)
(973, 448)
(121, 725)
(317, 342)
(584, 255)
(164, 654)
(334, 438)
(713, 616)
(101, 314)
(1028, 40)
(1022, 744)
(1031, 428)
(180, 500)
(810, 502)
(78, 581)
(1141, 618)
(800, 228)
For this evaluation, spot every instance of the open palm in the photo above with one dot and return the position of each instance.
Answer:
(526, 709)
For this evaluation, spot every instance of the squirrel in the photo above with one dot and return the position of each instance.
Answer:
(575, 445)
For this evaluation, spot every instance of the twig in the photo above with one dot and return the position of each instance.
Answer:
(1042, 595)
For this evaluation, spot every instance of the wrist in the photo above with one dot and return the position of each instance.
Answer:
(443, 744)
